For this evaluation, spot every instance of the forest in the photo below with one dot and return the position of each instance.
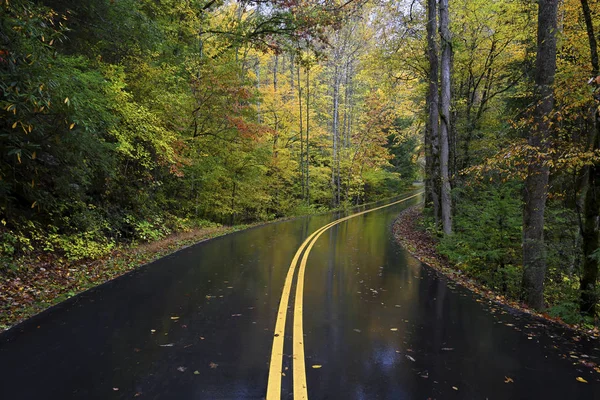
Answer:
(125, 121)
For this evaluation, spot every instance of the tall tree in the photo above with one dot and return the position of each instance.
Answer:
(536, 182)
(445, 97)
(590, 228)
(433, 117)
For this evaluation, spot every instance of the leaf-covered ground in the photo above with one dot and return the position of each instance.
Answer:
(46, 279)
(422, 245)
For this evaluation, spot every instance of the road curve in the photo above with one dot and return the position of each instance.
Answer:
(377, 324)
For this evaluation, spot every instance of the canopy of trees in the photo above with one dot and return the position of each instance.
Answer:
(125, 120)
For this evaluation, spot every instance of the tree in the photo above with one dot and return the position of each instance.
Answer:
(536, 183)
(432, 125)
(445, 99)
(590, 230)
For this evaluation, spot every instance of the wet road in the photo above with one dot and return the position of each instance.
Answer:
(199, 324)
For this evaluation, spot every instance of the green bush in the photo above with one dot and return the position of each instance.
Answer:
(487, 238)
(82, 245)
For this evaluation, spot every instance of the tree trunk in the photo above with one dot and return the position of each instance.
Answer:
(591, 233)
(446, 201)
(590, 229)
(258, 110)
(432, 125)
(301, 132)
(335, 172)
(275, 66)
(536, 183)
(307, 135)
(587, 16)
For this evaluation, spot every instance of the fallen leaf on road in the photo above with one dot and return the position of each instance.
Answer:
(115, 389)
(410, 358)
(447, 348)
(152, 330)
(454, 387)
(196, 372)
(181, 369)
(167, 345)
(357, 330)
(213, 365)
(174, 318)
(393, 329)
(508, 380)
(317, 366)
(236, 315)
(580, 379)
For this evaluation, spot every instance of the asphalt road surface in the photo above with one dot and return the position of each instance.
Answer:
(370, 322)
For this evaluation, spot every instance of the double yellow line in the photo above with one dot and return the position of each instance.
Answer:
(299, 368)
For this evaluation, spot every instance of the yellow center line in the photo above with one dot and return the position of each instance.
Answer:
(299, 368)
(275, 368)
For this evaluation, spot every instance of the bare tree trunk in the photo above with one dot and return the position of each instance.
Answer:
(335, 164)
(432, 126)
(536, 183)
(275, 66)
(590, 229)
(591, 233)
(346, 98)
(258, 110)
(301, 132)
(446, 201)
(348, 138)
(307, 135)
(587, 16)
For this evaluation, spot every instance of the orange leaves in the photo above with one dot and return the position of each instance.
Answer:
(512, 161)
(248, 130)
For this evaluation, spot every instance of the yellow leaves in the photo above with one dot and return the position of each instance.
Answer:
(33, 155)
(393, 329)
(14, 125)
(34, 204)
(580, 379)
(508, 380)
(317, 366)
(66, 101)
(72, 126)
(174, 318)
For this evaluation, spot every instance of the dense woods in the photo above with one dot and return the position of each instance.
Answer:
(522, 127)
(127, 120)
